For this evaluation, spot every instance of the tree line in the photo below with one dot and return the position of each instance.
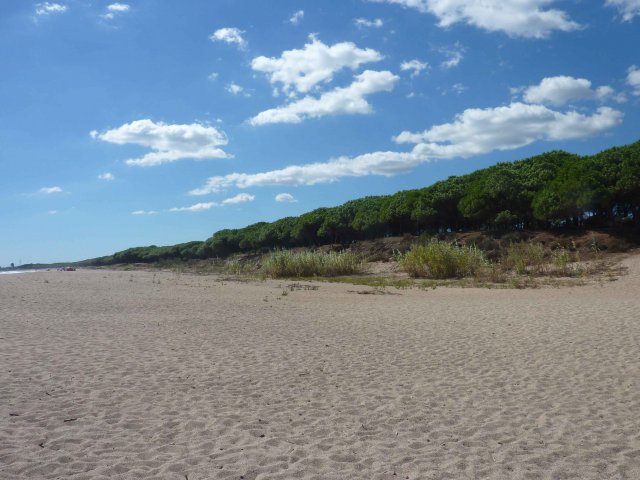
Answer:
(553, 190)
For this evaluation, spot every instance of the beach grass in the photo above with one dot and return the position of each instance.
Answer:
(438, 259)
(310, 263)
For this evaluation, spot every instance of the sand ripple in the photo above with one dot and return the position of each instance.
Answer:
(139, 375)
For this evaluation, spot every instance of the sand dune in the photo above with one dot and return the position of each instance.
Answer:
(109, 374)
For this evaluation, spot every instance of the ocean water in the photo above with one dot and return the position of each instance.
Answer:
(12, 272)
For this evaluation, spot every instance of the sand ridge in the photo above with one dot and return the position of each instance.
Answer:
(110, 374)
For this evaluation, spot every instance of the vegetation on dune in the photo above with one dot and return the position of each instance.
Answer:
(285, 263)
(552, 190)
(524, 256)
(438, 259)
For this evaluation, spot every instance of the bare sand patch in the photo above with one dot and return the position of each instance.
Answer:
(110, 374)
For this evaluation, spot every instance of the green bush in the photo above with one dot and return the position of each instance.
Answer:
(285, 263)
(439, 259)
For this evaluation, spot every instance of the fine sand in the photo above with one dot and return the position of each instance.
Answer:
(132, 375)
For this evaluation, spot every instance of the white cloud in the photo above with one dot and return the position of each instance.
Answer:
(201, 207)
(115, 9)
(48, 8)
(296, 17)
(106, 176)
(50, 190)
(416, 66)
(474, 132)
(168, 143)
(213, 76)
(366, 23)
(230, 35)
(627, 8)
(285, 198)
(456, 88)
(345, 100)
(517, 18)
(144, 212)
(478, 131)
(234, 88)
(198, 207)
(240, 198)
(562, 89)
(454, 56)
(303, 69)
(633, 79)
(118, 7)
(378, 163)
(52, 212)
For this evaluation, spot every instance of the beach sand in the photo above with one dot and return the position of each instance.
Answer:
(132, 375)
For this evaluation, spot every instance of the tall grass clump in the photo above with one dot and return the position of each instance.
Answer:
(523, 256)
(439, 259)
(285, 263)
(237, 266)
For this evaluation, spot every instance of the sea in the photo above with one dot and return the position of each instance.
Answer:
(12, 272)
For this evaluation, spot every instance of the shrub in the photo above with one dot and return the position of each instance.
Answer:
(523, 254)
(237, 266)
(439, 259)
(285, 263)
(561, 260)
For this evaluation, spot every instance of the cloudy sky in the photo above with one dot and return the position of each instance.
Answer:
(146, 122)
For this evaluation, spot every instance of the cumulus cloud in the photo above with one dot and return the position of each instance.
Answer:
(473, 132)
(116, 9)
(562, 89)
(204, 206)
(106, 176)
(377, 163)
(234, 88)
(516, 18)
(168, 143)
(345, 100)
(478, 131)
(296, 17)
(144, 212)
(627, 8)
(366, 23)
(230, 35)
(633, 79)
(48, 8)
(240, 198)
(454, 56)
(415, 66)
(302, 69)
(50, 190)
(198, 207)
(285, 198)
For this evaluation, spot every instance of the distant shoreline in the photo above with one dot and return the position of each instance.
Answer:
(12, 272)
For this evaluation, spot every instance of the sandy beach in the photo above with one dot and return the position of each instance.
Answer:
(135, 375)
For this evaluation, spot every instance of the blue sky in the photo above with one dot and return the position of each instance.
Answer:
(147, 122)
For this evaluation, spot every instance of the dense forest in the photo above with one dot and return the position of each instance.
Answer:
(553, 190)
